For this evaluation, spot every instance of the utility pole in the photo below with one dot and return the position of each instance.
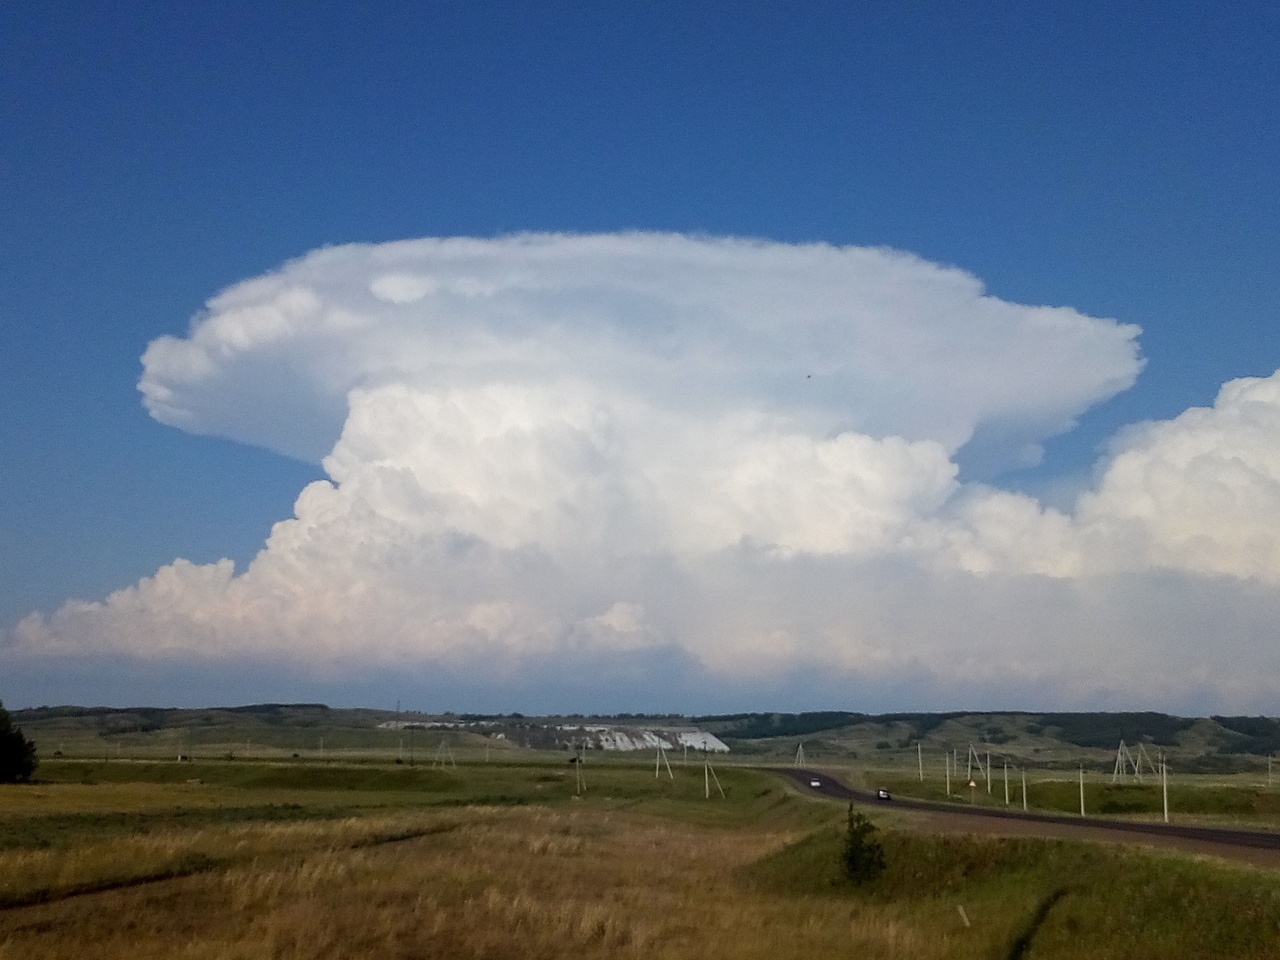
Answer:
(1164, 783)
(1082, 790)
(946, 766)
(1024, 789)
(1006, 783)
(920, 760)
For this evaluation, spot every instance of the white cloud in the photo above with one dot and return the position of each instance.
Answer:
(832, 339)
(1198, 494)
(654, 449)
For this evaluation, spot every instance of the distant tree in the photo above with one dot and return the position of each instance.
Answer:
(862, 856)
(17, 753)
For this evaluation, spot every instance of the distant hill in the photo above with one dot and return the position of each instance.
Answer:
(1212, 744)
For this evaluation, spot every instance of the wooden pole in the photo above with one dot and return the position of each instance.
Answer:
(1024, 789)
(1006, 783)
(920, 760)
(1164, 783)
(1082, 790)
(988, 773)
(946, 766)
(716, 779)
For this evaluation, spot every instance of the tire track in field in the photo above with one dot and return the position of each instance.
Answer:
(194, 864)
(1022, 942)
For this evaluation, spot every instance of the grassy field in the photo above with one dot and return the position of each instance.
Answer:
(233, 859)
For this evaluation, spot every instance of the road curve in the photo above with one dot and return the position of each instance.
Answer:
(832, 788)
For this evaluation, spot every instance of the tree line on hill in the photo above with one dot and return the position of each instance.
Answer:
(1240, 735)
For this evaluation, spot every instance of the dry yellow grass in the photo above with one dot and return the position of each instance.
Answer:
(524, 883)
(30, 875)
(617, 876)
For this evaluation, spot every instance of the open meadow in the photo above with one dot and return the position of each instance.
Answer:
(499, 859)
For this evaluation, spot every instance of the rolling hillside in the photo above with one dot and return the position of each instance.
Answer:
(1045, 740)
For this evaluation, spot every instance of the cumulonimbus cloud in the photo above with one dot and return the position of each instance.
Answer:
(736, 453)
(830, 339)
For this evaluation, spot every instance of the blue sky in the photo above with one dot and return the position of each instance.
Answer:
(1116, 158)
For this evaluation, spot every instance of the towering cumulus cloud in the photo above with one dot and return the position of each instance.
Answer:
(650, 452)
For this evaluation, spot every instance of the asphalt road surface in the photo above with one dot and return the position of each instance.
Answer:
(1220, 841)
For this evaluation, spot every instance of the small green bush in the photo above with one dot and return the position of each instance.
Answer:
(862, 855)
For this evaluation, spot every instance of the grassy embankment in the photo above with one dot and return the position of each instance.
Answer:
(501, 860)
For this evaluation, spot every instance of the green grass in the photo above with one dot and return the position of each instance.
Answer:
(1114, 901)
(255, 775)
(56, 830)
(172, 794)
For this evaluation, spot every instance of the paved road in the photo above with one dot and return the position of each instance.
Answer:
(833, 788)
